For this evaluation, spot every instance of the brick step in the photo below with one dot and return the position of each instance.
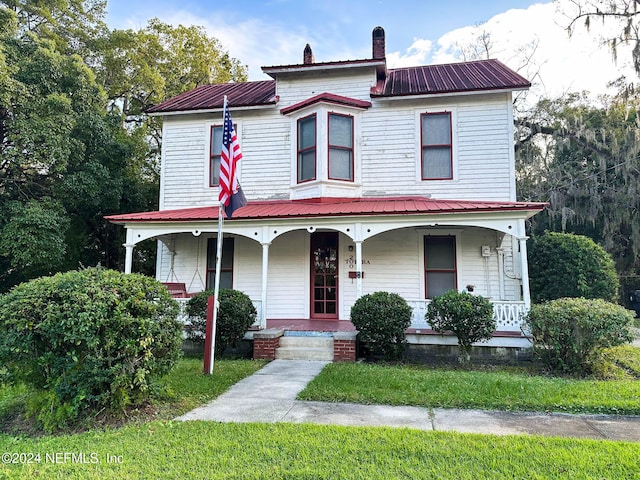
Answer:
(302, 353)
(306, 342)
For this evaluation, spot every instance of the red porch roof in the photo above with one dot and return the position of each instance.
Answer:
(330, 207)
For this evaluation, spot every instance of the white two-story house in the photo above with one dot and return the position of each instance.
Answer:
(359, 178)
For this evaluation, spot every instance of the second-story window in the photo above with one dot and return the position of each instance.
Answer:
(436, 146)
(340, 147)
(215, 150)
(307, 149)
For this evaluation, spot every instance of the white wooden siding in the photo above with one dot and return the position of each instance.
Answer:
(392, 261)
(387, 144)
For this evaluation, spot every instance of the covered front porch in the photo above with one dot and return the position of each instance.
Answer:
(304, 263)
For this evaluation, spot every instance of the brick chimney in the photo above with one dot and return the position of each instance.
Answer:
(378, 44)
(308, 55)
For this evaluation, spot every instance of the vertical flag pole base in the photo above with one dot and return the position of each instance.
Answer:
(208, 339)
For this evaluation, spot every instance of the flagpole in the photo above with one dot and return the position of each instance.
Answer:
(216, 285)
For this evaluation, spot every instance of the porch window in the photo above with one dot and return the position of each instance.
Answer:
(215, 151)
(440, 265)
(226, 265)
(307, 149)
(436, 146)
(340, 147)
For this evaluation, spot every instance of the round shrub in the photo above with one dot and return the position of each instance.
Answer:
(468, 317)
(381, 319)
(567, 265)
(236, 314)
(569, 334)
(91, 339)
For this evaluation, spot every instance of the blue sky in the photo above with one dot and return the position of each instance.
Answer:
(343, 21)
(274, 32)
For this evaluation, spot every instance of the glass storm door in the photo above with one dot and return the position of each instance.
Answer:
(324, 275)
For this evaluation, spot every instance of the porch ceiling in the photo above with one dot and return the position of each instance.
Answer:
(332, 207)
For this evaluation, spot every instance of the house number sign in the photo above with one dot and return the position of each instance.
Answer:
(351, 261)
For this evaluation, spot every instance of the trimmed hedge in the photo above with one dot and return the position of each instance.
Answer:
(566, 265)
(381, 319)
(569, 334)
(88, 340)
(236, 314)
(468, 317)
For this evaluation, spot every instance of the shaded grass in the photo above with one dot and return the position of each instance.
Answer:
(183, 389)
(277, 451)
(445, 388)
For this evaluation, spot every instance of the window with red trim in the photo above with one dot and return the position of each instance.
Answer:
(215, 150)
(440, 271)
(340, 147)
(307, 148)
(437, 151)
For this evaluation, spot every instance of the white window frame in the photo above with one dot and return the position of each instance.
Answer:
(454, 143)
(207, 150)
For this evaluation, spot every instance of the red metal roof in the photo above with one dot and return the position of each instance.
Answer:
(273, 71)
(330, 207)
(481, 75)
(327, 98)
(454, 77)
(207, 97)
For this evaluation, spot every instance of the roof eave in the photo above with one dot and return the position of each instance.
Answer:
(412, 96)
(274, 71)
(211, 110)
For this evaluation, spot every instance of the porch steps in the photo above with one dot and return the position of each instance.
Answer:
(305, 346)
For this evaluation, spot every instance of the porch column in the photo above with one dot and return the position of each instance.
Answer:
(358, 268)
(263, 296)
(524, 270)
(500, 251)
(128, 260)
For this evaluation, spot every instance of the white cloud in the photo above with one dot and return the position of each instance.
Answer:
(416, 54)
(559, 63)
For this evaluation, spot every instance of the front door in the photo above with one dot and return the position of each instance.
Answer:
(324, 275)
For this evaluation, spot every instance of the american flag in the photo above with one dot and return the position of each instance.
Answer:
(230, 156)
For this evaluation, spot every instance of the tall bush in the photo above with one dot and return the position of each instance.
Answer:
(236, 314)
(468, 317)
(381, 319)
(567, 265)
(90, 339)
(569, 334)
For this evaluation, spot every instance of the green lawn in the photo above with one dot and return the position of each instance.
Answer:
(185, 388)
(211, 450)
(182, 450)
(446, 388)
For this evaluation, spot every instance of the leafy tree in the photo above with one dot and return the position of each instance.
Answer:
(71, 24)
(567, 265)
(141, 68)
(74, 143)
(585, 161)
(623, 14)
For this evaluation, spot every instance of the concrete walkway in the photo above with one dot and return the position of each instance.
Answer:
(269, 396)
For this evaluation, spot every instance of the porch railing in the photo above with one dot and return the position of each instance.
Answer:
(508, 314)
